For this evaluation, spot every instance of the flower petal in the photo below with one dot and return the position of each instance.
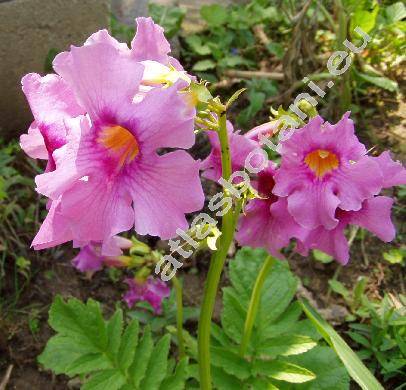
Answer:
(102, 77)
(164, 188)
(33, 143)
(149, 42)
(393, 172)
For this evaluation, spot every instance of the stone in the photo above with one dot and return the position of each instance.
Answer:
(127, 10)
(29, 29)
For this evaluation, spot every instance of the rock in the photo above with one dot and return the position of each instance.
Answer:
(29, 29)
(127, 10)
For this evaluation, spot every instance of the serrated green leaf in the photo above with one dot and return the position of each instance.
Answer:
(330, 372)
(128, 345)
(230, 362)
(283, 371)
(89, 363)
(381, 82)
(157, 365)
(178, 379)
(109, 379)
(339, 288)
(224, 381)
(285, 345)
(143, 354)
(354, 366)
(214, 14)
(203, 65)
(114, 330)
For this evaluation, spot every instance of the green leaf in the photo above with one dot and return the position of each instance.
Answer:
(285, 345)
(128, 345)
(394, 256)
(322, 257)
(143, 354)
(114, 329)
(330, 372)
(364, 19)
(354, 365)
(395, 12)
(276, 49)
(339, 288)
(224, 381)
(214, 14)
(283, 371)
(196, 44)
(109, 379)
(157, 364)
(203, 65)
(381, 82)
(230, 362)
(178, 379)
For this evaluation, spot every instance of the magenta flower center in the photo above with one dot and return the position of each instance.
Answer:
(120, 142)
(321, 162)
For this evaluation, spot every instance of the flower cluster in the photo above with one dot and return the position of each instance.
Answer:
(325, 182)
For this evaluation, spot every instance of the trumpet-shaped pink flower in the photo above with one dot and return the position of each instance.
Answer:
(108, 174)
(90, 258)
(240, 147)
(325, 167)
(266, 222)
(375, 216)
(153, 291)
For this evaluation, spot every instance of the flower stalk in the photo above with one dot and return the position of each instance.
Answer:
(179, 315)
(254, 304)
(216, 266)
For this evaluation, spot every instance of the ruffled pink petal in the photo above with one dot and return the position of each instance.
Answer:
(115, 245)
(103, 78)
(55, 229)
(68, 166)
(149, 42)
(164, 188)
(88, 259)
(355, 182)
(393, 172)
(314, 205)
(104, 37)
(52, 103)
(163, 119)
(33, 143)
(97, 209)
(268, 226)
(333, 242)
(375, 216)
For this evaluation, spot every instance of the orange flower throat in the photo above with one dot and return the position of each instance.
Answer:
(321, 162)
(121, 142)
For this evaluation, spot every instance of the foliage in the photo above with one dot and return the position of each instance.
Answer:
(170, 18)
(106, 354)
(381, 329)
(284, 351)
(145, 315)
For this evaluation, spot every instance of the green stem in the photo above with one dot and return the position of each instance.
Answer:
(254, 304)
(179, 315)
(216, 266)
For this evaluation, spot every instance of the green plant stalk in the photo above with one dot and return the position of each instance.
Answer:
(254, 304)
(179, 315)
(346, 93)
(216, 266)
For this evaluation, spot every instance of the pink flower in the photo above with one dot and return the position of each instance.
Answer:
(151, 290)
(392, 171)
(240, 147)
(324, 167)
(375, 216)
(266, 223)
(108, 175)
(90, 258)
(33, 143)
